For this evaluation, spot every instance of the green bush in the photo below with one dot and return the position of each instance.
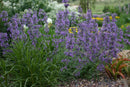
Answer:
(90, 71)
(100, 23)
(106, 9)
(28, 67)
(124, 18)
(115, 10)
(17, 6)
(126, 8)
(2, 26)
(59, 1)
(35, 5)
(111, 9)
(125, 31)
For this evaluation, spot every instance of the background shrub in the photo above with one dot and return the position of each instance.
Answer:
(124, 18)
(106, 9)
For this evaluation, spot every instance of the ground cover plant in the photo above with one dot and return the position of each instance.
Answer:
(39, 53)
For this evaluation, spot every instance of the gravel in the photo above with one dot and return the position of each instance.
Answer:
(100, 83)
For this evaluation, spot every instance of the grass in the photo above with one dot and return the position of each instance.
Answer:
(99, 5)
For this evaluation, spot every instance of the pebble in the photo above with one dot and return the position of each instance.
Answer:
(86, 83)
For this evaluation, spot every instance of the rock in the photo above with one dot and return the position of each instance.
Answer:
(125, 53)
(125, 82)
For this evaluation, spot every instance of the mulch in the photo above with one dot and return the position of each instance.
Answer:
(103, 82)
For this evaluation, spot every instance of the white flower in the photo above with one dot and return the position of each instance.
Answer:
(25, 10)
(7, 3)
(18, 4)
(14, 4)
(49, 21)
(14, 7)
(25, 27)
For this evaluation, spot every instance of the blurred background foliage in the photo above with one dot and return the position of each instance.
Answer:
(16, 6)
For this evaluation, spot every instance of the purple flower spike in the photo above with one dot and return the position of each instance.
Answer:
(100, 67)
(77, 74)
(66, 5)
(48, 59)
(65, 1)
(80, 10)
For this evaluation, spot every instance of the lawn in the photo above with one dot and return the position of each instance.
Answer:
(99, 5)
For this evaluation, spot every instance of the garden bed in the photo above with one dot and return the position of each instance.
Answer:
(70, 49)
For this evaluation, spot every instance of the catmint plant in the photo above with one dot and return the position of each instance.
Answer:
(92, 45)
(87, 45)
(126, 38)
(27, 27)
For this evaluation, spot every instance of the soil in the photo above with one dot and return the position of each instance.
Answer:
(102, 82)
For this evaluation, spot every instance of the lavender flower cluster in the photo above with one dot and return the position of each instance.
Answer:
(127, 36)
(23, 28)
(4, 42)
(92, 44)
(4, 16)
(89, 44)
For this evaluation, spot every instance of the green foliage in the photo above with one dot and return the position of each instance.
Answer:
(60, 1)
(123, 27)
(127, 70)
(18, 6)
(5, 70)
(115, 10)
(111, 9)
(2, 26)
(89, 71)
(87, 4)
(124, 18)
(124, 9)
(99, 23)
(106, 9)
(29, 67)
(35, 5)
(1, 5)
